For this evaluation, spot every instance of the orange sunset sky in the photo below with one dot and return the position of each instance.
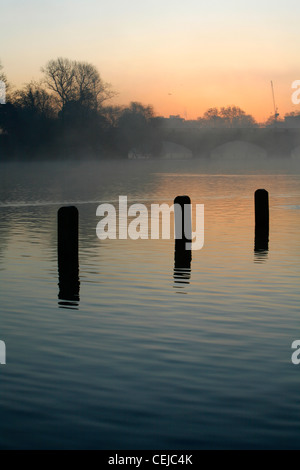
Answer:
(180, 56)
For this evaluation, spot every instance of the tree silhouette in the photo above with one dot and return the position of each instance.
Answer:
(228, 117)
(137, 130)
(35, 98)
(76, 81)
(59, 78)
(90, 89)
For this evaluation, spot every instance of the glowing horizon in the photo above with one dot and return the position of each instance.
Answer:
(180, 58)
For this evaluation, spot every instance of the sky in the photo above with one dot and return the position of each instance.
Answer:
(182, 57)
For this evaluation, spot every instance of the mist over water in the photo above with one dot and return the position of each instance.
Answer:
(47, 182)
(152, 354)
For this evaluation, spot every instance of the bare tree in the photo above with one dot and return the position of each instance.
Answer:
(89, 87)
(76, 81)
(236, 117)
(212, 118)
(34, 97)
(112, 114)
(60, 77)
(138, 112)
(231, 116)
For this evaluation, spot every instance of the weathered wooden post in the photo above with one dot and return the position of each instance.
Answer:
(183, 235)
(183, 220)
(261, 201)
(67, 250)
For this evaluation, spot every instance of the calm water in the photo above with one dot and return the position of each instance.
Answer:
(146, 358)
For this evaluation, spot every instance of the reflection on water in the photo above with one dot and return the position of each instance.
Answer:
(139, 366)
(182, 271)
(260, 256)
(261, 244)
(68, 285)
(182, 265)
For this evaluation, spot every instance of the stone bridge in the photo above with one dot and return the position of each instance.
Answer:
(274, 141)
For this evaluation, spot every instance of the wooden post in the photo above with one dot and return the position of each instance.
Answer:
(183, 234)
(261, 200)
(67, 250)
(183, 221)
(261, 209)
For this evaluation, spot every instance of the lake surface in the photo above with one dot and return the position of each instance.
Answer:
(149, 357)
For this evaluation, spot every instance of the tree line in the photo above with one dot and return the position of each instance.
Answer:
(67, 114)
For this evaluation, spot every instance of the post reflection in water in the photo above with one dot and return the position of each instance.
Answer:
(261, 245)
(68, 263)
(68, 285)
(182, 265)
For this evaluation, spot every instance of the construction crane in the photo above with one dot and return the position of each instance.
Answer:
(276, 114)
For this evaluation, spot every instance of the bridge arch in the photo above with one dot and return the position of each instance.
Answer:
(171, 150)
(238, 150)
